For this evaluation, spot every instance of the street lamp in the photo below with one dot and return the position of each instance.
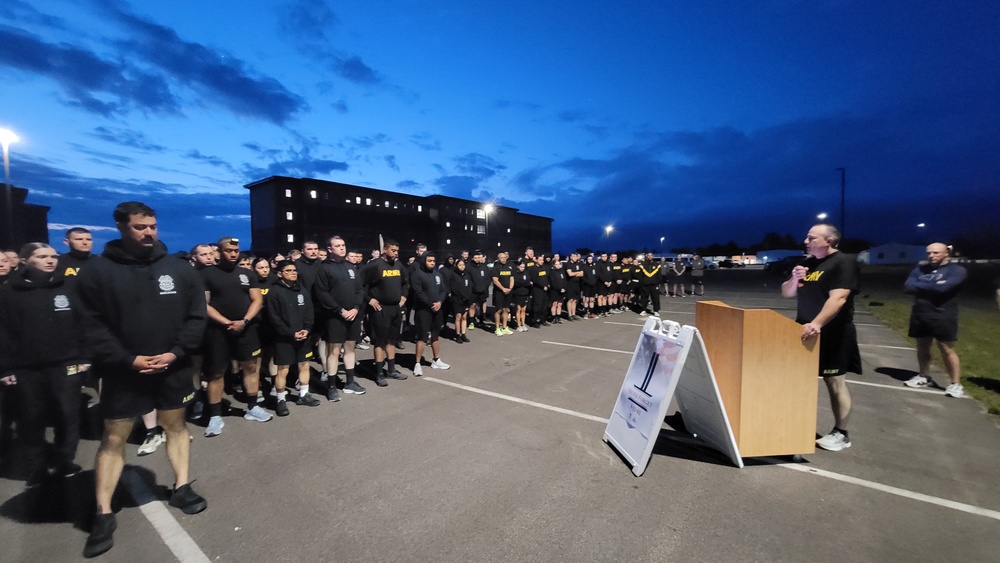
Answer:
(822, 216)
(487, 210)
(6, 138)
(607, 231)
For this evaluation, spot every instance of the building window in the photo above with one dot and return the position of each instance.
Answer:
(420, 208)
(387, 205)
(288, 193)
(447, 223)
(290, 238)
(357, 200)
(312, 194)
(447, 241)
(508, 229)
(481, 229)
(480, 214)
(347, 201)
(368, 201)
(288, 215)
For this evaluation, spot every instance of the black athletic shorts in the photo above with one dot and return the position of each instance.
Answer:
(384, 325)
(479, 298)
(521, 300)
(502, 300)
(943, 328)
(428, 324)
(289, 353)
(588, 290)
(222, 346)
(602, 289)
(555, 296)
(126, 394)
(573, 291)
(459, 305)
(338, 330)
(838, 350)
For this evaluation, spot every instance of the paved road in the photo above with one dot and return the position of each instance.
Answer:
(501, 459)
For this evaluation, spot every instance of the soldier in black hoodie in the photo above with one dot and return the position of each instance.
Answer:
(143, 313)
(290, 315)
(429, 289)
(340, 298)
(482, 279)
(40, 352)
(460, 288)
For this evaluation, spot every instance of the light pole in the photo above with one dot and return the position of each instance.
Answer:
(822, 216)
(843, 213)
(608, 230)
(6, 138)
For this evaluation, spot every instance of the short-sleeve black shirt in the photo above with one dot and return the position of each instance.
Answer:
(835, 271)
(229, 292)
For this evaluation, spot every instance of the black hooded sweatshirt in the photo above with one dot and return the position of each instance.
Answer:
(140, 306)
(428, 287)
(289, 310)
(37, 326)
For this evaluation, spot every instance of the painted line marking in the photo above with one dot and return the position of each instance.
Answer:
(180, 543)
(517, 400)
(886, 346)
(932, 390)
(962, 507)
(586, 347)
(622, 324)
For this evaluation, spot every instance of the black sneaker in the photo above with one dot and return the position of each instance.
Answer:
(400, 346)
(395, 374)
(281, 409)
(353, 388)
(101, 536)
(187, 500)
(37, 478)
(196, 412)
(67, 469)
(307, 400)
(465, 338)
(332, 394)
(380, 380)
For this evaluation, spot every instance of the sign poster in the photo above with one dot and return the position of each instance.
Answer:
(646, 392)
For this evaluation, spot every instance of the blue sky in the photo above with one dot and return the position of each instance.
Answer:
(699, 122)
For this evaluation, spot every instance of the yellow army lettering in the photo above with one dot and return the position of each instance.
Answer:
(390, 273)
(505, 272)
(71, 272)
(814, 276)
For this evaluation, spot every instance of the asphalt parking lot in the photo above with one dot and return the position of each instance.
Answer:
(501, 458)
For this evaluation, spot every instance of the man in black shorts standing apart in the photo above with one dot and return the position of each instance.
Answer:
(503, 286)
(574, 276)
(934, 316)
(143, 314)
(234, 300)
(385, 286)
(429, 289)
(340, 296)
(825, 286)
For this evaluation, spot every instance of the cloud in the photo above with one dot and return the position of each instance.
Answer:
(426, 141)
(478, 165)
(457, 186)
(91, 83)
(96, 228)
(230, 217)
(511, 104)
(390, 161)
(306, 23)
(210, 160)
(23, 13)
(220, 78)
(290, 162)
(408, 185)
(126, 137)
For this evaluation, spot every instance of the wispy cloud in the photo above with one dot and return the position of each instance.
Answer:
(426, 141)
(307, 25)
(390, 161)
(97, 228)
(294, 161)
(127, 138)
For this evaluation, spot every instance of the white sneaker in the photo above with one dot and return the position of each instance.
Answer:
(438, 364)
(834, 442)
(644, 314)
(955, 390)
(418, 370)
(153, 441)
(215, 426)
(917, 381)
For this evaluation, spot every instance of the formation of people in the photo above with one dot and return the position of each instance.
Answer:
(167, 335)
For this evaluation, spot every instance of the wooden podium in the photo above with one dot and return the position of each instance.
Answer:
(767, 377)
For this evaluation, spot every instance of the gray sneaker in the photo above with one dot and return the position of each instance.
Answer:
(215, 426)
(354, 388)
(154, 438)
(834, 441)
(257, 414)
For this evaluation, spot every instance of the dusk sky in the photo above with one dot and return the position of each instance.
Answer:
(695, 121)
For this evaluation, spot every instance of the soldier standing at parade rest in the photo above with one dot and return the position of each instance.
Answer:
(503, 287)
(385, 288)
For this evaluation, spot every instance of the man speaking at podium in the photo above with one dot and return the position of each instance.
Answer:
(825, 284)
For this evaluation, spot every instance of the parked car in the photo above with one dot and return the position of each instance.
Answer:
(784, 266)
(727, 263)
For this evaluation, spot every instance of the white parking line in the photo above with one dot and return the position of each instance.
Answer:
(887, 347)
(962, 507)
(180, 543)
(586, 347)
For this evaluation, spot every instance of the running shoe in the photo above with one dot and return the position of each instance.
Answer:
(955, 390)
(380, 380)
(834, 441)
(187, 500)
(438, 364)
(101, 536)
(257, 414)
(281, 408)
(362, 346)
(917, 381)
(215, 426)
(465, 338)
(333, 395)
(353, 388)
(307, 400)
(395, 374)
(499, 332)
(154, 439)
(418, 370)
(507, 330)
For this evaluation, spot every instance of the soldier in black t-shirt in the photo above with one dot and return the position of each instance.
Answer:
(503, 287)
(574, 277)
(234, 300)
(825, 286)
